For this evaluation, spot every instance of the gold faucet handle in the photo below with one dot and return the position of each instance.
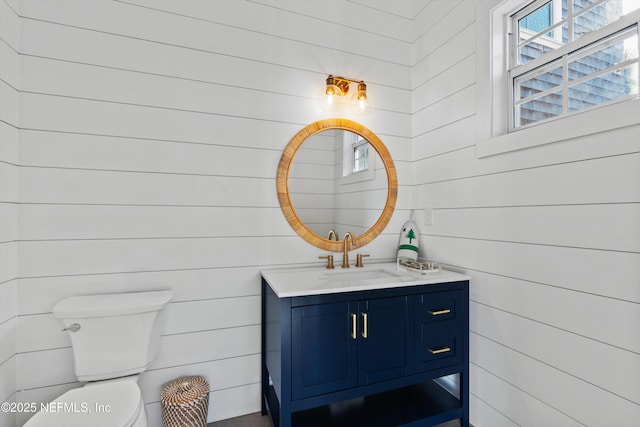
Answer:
(329, 260)
(359, 260)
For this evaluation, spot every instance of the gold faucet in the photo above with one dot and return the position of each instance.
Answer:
(332, 233)
(345, 254)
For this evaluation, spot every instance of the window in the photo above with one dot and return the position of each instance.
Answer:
(568, 56)
(360, 156)
(505, 80)
(358, 160)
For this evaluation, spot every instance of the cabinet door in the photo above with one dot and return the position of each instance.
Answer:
(324, 352)
(384, 340)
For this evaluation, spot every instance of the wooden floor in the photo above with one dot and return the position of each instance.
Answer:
(251, 420)
(257, 420)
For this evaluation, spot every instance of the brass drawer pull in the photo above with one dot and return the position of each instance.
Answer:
(440, 312)
(354, 326)
(440, 350)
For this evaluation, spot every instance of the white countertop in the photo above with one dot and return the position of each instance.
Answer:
(294, 282)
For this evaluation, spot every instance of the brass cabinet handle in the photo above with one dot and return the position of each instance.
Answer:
(354, 330)
(365, 325)
(440, 350)
(440, 312)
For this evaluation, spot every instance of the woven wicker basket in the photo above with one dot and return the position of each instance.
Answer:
(185, 403)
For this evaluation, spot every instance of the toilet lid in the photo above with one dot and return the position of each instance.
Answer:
(113, 404)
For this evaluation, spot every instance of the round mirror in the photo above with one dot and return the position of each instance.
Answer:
(336, 175)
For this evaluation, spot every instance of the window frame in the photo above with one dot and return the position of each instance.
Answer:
(361, 147)
(561, 56)
(494, 102)
(350, 141)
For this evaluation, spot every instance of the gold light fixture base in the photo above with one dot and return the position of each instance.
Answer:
(340, 86)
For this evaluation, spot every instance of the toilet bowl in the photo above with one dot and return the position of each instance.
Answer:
(87, 406)
(114, 337)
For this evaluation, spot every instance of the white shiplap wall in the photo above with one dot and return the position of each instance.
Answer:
(9, 171)
(150, 134)
(549, 235)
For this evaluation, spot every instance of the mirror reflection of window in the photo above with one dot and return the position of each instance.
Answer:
(361, 156)
(349, 140)
(356, 157)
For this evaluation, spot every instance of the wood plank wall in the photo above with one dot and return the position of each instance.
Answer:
(549, 235)
(149, 137)
(150, 133)
(9, 167)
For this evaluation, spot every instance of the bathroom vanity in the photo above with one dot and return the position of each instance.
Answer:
(371, 346)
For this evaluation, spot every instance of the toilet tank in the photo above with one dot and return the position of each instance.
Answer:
(118, 334)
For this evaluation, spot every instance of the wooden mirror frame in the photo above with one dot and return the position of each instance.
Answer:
(283, 188)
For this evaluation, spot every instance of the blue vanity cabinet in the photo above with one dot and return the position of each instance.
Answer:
(340, 345)
(366, 358)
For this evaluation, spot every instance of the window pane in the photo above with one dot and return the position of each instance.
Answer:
(533, 23)
(599, 16)
(607, 87)
(361, 157)
(539, 109)
(528, 86)
(537, 20)
(536, 47)
(600, 60)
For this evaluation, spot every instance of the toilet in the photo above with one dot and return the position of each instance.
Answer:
(114, 337)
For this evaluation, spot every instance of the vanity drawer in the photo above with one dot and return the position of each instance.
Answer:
(438, 306)
(438, 329)
(438, 345)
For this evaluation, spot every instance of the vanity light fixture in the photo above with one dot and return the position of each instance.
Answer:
(339, 86)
